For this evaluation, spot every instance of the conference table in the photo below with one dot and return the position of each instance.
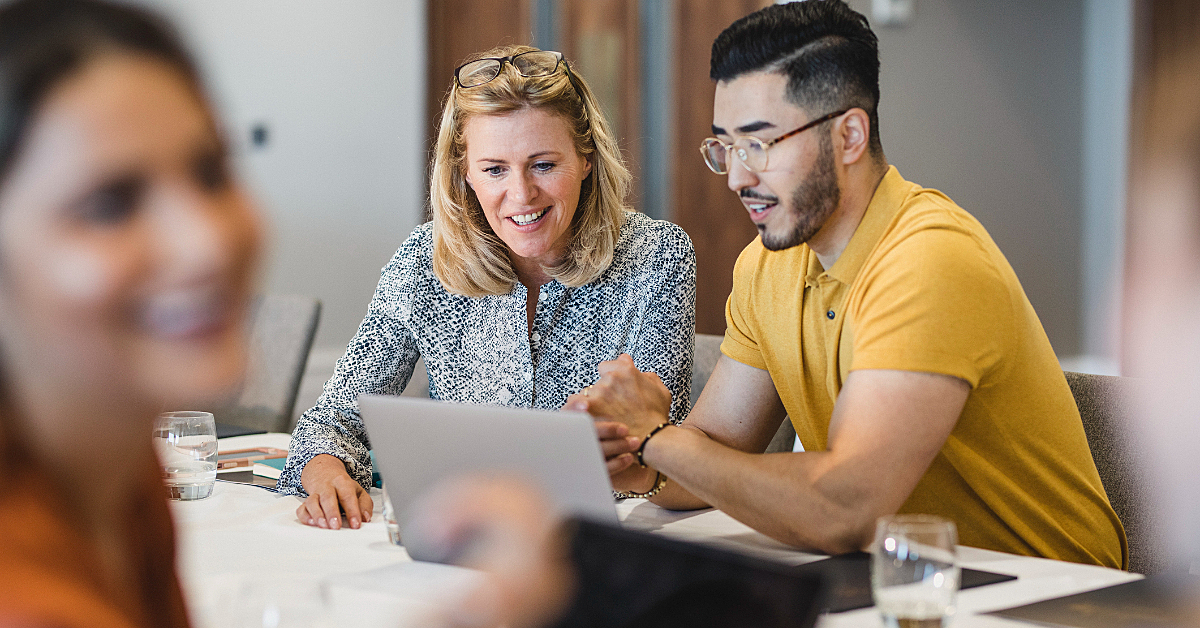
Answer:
(247, 538)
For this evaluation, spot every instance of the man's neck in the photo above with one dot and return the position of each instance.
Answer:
(862, 179)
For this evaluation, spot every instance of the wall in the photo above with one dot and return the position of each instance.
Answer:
(340, 88)
(983, 100)
(1108, 72)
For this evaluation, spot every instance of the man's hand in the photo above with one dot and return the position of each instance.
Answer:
(330, 491)
(626, 395)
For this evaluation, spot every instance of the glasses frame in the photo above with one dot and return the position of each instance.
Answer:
(560, 60)
(765, 145)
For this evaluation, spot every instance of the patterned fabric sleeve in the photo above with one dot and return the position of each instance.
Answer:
(379, 360)
(667, 338)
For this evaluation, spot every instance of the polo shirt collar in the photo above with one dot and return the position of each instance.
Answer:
(890, 194)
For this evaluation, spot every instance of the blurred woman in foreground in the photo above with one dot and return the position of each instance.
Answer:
(126, 259)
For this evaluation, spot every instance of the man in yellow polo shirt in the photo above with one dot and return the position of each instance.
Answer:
(876, 314)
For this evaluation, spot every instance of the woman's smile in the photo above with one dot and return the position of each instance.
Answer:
(525, 220)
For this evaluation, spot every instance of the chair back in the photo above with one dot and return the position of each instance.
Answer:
(282, 328)
(1105, 404)
(418, 384)
(708, 351)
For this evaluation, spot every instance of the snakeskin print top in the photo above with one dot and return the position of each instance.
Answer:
(479, 350)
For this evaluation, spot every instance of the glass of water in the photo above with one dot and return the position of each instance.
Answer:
(186, 443)
(389, 519)
(914, 570)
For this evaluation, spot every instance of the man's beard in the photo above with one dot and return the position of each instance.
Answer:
(813, 202)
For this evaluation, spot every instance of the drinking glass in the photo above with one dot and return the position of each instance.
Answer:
(914, 570)
(186, 443)
(389, 518)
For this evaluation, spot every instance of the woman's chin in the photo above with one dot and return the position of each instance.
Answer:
(531, 249)
(194, 377)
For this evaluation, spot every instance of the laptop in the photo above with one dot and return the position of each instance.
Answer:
(419, 442)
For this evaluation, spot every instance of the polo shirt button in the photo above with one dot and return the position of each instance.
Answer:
(829, 315)
(536, 336)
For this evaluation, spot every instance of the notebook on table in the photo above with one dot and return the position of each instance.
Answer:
(849, 578)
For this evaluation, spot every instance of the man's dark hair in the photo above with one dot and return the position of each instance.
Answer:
(827, 51)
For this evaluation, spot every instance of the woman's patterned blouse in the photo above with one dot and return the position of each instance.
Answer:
(479, 350)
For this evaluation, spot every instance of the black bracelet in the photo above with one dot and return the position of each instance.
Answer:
(641, 448)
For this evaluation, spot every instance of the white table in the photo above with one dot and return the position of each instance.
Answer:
(247, 534)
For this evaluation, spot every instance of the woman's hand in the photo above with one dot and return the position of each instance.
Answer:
(615, 442)
(331, 491)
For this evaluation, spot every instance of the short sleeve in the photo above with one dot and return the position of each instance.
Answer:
(936, 303)
(741, 332)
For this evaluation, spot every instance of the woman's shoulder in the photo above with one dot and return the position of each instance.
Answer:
(643, 237)
(44, 561)
(418, 245)
(409, 273)
(415, 254)
(649, 252)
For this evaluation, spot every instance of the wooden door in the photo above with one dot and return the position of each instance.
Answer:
(703, 204)
(460, 28)
(601, 37)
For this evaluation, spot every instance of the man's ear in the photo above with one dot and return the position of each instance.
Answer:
(854, 129)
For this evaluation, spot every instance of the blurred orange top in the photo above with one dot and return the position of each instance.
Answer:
(50, 572)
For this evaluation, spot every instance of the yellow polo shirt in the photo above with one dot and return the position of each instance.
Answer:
(921, 286)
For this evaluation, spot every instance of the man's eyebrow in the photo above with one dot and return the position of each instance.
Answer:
(745, 128)
(754, 126)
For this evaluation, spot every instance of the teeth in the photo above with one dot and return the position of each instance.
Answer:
(525, 219)
(184, 314)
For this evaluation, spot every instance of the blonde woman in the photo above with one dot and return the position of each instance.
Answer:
(532, 272)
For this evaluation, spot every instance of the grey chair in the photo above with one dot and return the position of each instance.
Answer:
(282, 328)
(1105, 404)
(708, 351)
(418, 384)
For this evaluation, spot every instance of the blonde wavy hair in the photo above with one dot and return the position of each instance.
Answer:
(468, 257)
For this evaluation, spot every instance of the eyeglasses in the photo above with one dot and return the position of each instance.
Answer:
(528, 64)
(751, 150)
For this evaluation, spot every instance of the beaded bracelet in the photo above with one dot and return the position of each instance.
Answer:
(641, 448)
(660, 481)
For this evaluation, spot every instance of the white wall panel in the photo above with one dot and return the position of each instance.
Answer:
(340, 88)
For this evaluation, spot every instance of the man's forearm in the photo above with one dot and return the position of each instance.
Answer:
(779, 495)
(675, 497)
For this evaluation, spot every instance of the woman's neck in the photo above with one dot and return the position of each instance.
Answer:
(94, 450)
(531, 274)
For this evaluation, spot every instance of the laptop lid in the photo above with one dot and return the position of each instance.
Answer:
(419, 442)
